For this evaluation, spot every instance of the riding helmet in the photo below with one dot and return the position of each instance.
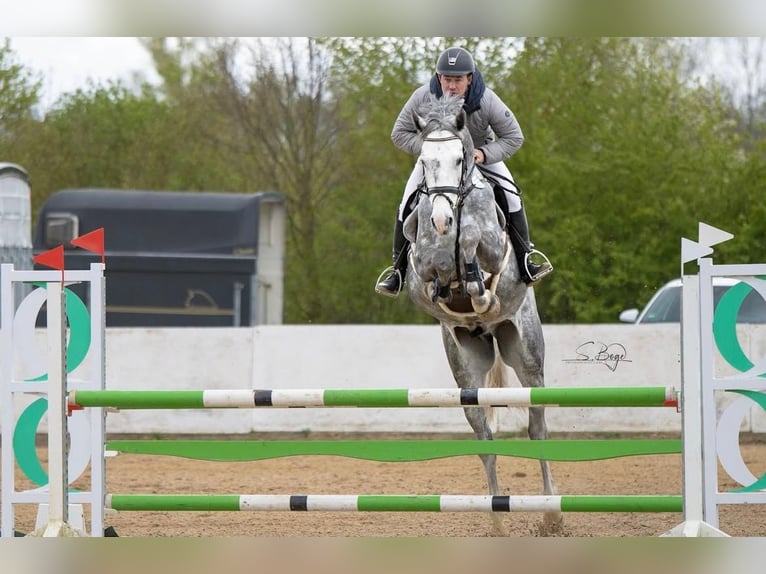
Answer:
(455, 62)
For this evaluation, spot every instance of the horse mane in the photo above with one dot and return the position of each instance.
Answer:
(441, 113)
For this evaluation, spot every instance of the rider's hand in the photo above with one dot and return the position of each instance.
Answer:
(478, 156)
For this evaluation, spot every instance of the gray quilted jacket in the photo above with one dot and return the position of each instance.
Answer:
(492, 124)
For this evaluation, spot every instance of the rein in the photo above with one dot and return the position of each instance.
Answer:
(461, 192)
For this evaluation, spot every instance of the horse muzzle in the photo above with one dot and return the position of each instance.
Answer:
(443, 204)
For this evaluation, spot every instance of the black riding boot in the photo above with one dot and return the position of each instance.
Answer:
(533, 264)
(392, 284)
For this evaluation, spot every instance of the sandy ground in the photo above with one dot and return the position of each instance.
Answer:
(458, 475)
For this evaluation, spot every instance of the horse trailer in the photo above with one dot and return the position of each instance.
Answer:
(176, 259)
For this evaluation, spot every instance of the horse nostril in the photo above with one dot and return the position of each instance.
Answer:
(449, 222)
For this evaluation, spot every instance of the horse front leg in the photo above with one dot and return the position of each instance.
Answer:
(481, 299)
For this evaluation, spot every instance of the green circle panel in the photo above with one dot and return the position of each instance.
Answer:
(78, 319)
(24, 442)
(725, 326)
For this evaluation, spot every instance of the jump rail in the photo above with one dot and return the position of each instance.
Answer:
(394, 503)
(486, 397)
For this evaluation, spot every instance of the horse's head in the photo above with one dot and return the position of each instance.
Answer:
(456, 228)
(446, 156)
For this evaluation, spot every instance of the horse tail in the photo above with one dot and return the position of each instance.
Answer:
(497, 377)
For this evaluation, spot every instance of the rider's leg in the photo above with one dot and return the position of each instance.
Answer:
(392, 284)
(533, 264)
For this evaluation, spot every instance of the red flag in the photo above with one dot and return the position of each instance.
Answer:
(92, 241)
(53, 258)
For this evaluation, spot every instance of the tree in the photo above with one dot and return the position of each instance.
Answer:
(119, 136)
(622, 158)
(107, 136)
(737, 67)
(19, 94)
(276, 120)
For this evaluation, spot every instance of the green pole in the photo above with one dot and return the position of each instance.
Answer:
(141, 399)
(175, 502)
(598, 397)
(366, 398)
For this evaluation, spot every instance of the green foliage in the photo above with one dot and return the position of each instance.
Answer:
(372, 78)
(19, 93)
(98, 138)
(623, 155)
(621, 159)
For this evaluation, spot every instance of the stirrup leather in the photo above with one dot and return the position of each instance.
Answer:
(388, 272)
(543, 268)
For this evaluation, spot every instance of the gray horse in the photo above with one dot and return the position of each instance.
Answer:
(463, 272)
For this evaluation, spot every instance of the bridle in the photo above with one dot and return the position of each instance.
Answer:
(459, 192)
(446, 191)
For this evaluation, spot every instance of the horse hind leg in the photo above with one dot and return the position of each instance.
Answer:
(538, 430)
(526, 356)
(470, 360)
(478, 419)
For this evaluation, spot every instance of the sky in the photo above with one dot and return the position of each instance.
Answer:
(72, 41)
(67, 63)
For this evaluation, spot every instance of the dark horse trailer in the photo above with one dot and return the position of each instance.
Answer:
(176, 258)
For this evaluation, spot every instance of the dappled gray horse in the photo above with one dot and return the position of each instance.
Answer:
(463, 272)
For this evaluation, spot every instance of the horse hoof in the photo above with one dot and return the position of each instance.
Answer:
(498, 526)
(552, 524)
(491, 309)
(480, 307)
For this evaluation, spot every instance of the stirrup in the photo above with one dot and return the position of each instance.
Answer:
(544, 268)
(389, 271)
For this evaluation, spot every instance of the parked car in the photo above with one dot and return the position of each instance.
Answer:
(665, 304)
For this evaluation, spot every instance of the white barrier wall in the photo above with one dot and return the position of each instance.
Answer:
(385, 356)
(374, 356)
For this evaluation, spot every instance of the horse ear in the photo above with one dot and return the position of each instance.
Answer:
(460, 120)
(410, 227)
(420, 122)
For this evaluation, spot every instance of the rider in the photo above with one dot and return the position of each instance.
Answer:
(496, 136)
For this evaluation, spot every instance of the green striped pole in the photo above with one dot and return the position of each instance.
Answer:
(394, 503)
(238, 398)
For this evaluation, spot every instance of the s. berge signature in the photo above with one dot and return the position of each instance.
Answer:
(610, 355)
